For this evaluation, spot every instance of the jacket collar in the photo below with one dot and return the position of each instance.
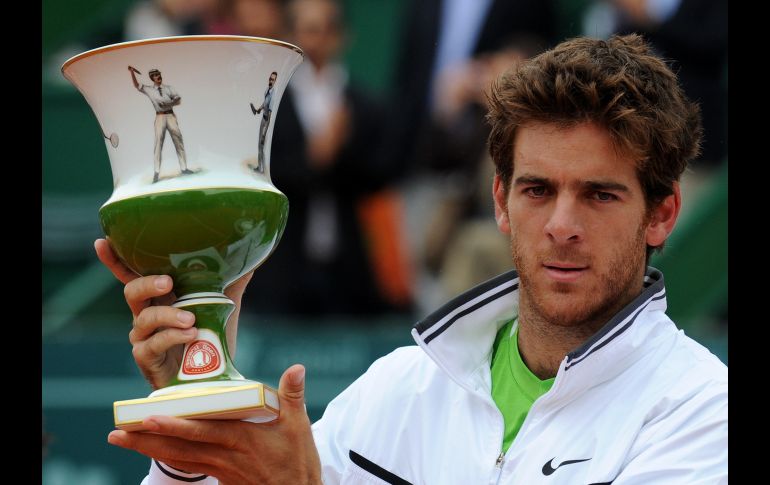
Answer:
(459, 335)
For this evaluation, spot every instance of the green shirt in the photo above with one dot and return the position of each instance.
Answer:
(514, 387)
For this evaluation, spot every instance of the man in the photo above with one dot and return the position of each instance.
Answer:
(565, 371)
(438, 34)
(163, 98)
(324, 143)
(267, 112)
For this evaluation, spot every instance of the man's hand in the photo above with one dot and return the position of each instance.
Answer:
(133, 76)
(325, 146)
(160, 331)
(237, 452)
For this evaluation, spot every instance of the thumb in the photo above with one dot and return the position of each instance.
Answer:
(291, 388)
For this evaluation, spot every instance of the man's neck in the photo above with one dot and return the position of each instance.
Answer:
(544, 344)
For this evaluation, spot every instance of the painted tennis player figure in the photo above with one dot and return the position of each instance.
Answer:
(163, 98)
(267, 112)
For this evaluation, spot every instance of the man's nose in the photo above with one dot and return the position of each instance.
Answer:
(564, 224)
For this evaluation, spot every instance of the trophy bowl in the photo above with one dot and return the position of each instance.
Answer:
(197, 205)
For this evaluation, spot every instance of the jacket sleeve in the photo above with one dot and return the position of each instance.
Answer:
(686, 443)
(162, 474)
(334, 433)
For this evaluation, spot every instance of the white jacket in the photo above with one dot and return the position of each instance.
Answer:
(638, 403)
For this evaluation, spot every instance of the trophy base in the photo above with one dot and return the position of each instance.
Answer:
(242, 399)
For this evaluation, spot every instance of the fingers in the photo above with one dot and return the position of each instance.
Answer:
(220, 433)
(158, 336)
(140, 291)
(291, 389)
(151, 352)
(236, 289)
(110, 260)
(154, 318)
(186, 455)
(191, 455)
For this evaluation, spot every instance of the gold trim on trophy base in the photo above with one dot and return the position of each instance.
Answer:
(253, 402)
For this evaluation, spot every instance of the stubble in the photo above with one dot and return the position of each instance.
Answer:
(583, 310)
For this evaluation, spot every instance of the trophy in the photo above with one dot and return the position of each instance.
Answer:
(201, 209)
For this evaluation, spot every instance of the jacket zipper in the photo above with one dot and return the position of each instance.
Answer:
(499, 466)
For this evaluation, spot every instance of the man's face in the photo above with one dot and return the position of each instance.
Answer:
(157, 78)
(315, 28)
(577, 221)
(271, 81)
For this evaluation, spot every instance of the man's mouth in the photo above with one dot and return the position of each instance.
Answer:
(565, 272)
(565, 266)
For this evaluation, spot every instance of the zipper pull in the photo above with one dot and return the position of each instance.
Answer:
(499, 467)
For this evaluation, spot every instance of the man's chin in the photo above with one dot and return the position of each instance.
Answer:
(565, 317)
(560, 288)
(549, 290)
(565, 305)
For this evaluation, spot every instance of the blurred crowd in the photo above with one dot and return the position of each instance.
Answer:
(390, 195)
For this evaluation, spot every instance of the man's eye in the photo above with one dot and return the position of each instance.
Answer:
(605, 196)
(538, 191)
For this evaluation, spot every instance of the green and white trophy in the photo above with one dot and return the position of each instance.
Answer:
(202, 208)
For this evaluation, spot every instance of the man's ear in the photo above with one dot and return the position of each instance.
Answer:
(663, 218)
(501, 205)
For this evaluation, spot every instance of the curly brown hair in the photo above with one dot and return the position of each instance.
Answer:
(618, 84)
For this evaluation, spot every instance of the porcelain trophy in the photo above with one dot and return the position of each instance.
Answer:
(187, 123)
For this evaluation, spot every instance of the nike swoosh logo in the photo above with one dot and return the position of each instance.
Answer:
(548, 469)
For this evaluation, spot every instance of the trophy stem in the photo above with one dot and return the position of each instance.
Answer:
(207, 385)
(207, 358)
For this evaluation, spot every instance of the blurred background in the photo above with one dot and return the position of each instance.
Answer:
(379, 144)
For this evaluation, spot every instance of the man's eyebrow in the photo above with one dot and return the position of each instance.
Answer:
(598, 185)
(531, 180)
(605, 185)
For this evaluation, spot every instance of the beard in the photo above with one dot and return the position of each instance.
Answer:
(611, 284)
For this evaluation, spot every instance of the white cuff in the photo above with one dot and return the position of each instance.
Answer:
(162, 474)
